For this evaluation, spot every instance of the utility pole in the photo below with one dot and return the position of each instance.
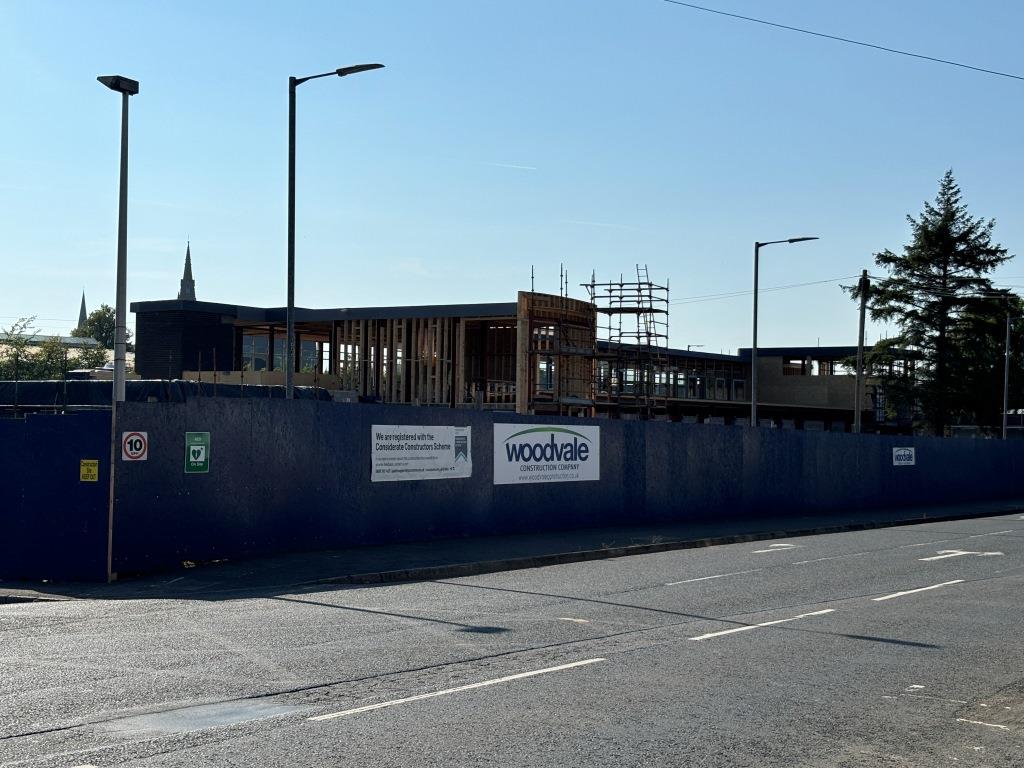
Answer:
(858, 396)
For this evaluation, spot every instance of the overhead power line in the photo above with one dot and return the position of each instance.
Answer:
(734, 294)
(846, 40)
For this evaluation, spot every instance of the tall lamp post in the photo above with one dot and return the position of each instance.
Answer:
(1005, 296)
(1006, 371)
(126, 87)
(753, 348)
(293, 83)
(863, 289)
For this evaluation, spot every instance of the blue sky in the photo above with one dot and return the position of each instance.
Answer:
(594, 133)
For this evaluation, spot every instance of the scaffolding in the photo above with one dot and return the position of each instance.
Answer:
(632, 349)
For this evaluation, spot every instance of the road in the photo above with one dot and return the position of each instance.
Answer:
(893, 647)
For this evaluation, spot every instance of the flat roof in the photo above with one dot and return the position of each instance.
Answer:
(303, 315)
(693, 354)
(818, 353)
(78, 342)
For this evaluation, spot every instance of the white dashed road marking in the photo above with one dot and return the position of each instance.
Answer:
(912, 591)
(749, 627)
(446, 691)
(833, 557)
(942, 554)
(926, 543)
(776, 548)
(575, 621)
(987, 725)
(994, 533)
(708, 578)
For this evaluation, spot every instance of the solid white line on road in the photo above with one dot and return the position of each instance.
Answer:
(994, 533)
(708, 578)
(749, 627)
(987, 725)
(946, 553)
(833, 557)
(446, 691)
(776, 548)
(912, 591)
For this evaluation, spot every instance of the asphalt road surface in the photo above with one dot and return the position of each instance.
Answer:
(894, 647)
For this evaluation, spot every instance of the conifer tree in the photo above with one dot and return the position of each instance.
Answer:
(935, 293)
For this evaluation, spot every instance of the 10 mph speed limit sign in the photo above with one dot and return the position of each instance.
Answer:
(134, 446)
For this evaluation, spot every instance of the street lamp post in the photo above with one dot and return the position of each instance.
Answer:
(753, 348)
(1006, 371)
(293, 83)
(1005, 296)
(1006, 374)
(126, 87)
(863, 287)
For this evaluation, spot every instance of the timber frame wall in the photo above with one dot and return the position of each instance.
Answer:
(539, 359)
(447, 360)
(556, 342)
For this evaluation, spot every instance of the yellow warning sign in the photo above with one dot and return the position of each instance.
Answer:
(89, 470)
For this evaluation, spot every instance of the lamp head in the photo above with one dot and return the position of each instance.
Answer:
(120, 84)
(341, 72)
(801, 239)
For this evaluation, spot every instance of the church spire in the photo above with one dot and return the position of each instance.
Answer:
(83, 316)
(188, 285)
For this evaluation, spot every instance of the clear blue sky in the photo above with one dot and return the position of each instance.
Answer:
(597, 133)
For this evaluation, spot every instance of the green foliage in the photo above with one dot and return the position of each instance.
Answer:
(50, 360)
(100, 325)
(937, 294)
(95, 357)
(24, 357)
(16, 349)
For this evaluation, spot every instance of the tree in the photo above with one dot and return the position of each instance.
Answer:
(100, 325)
(24, 356)
(16, 350)
(934, 293)
(90, 357)
(976, 371)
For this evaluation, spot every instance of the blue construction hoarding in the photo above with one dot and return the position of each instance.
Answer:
(277, 476)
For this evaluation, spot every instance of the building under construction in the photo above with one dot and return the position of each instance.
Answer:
(606, 356)
(534, 355)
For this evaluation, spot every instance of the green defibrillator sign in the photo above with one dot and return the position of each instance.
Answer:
(197, 453)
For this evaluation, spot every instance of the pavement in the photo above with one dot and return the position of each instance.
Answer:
(447, 558)
(875, 647)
